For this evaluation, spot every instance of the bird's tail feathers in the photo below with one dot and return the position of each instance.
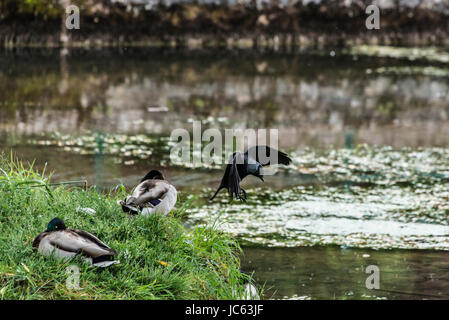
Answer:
(127, 207)
(104, 261)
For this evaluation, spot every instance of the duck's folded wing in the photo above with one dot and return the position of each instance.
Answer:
(268, 156)
(48, 247)
(147, 191)
(37, 240)
(81, 242)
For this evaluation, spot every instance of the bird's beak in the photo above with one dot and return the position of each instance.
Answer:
(261, 178)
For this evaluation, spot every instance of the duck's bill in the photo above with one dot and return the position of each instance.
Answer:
(104, 264)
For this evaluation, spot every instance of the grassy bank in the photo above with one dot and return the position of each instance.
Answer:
(159, 258)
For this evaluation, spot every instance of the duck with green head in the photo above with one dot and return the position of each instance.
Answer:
(66, 243)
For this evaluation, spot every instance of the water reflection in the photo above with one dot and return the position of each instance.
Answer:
(314, 100)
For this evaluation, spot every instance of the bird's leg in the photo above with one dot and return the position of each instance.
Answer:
(242, 191)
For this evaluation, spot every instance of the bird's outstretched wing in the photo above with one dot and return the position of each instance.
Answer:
(237, 170)
(267, 156)
(231, 178)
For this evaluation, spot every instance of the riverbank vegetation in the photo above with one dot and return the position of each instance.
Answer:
(249, 23)
(159, 259)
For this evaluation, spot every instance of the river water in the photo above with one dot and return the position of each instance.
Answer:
(367, 129)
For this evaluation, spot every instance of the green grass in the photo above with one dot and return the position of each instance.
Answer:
(159, 258)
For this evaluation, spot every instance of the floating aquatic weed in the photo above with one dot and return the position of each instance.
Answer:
(429, 53)
(127, 147)
(364, 197)
(121, 145)
(426, 71)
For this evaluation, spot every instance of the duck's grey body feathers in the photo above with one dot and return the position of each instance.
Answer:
(151, 196)
(147, 191)
(67, 243)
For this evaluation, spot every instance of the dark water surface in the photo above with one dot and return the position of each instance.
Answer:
(368, 132)
(340, 273)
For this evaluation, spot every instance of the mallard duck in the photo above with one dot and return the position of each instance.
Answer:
(66, 243)
(249, 163)
(153, 194)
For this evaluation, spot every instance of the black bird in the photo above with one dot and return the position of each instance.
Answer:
(247, 163)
